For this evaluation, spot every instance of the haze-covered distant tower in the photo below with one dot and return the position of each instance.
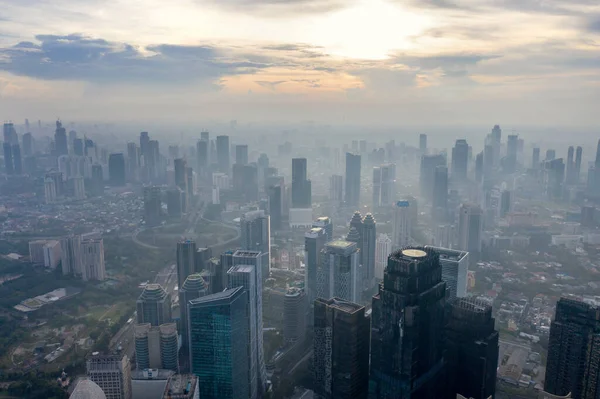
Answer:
(423, 144)
(186, 261)
(92, 260)
(116, 169)
(27, 144)
(17, 160)
(535, 159)
(255, 227)
(223, 154)
(427, 174)
(71, 255)
(352, 196)
(336, 190)
(241, 154)
(460, 160)
(369, 238)
(326, 224)
(295, 306)
(402, 224)
(8, 159)
(577, 173)
(301, 186)
(440, 194)
(470, 225)
(152, 205)
(407, 321)
(314, 242)
(60, 140)
(341, 349)
(570, 165)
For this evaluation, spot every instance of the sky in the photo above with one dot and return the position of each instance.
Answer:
(363, 62)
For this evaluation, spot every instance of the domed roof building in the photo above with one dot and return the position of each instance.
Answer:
(87, 389)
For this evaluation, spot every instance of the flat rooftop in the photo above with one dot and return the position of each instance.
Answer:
(341, 244)
(181, 386)
(342, 304)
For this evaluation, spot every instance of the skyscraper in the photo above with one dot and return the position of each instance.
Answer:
(338, 274)
(194, 287)
(440, 194)
(186, 261)
(152, 205)
(255, 230)
(383, 249)
(223, 154)
(460, 159)
(203, 158)
(78, 147)
(92, 259)
(455, 265)
(241, 154)
(471, 349)
(341, 349)
(326, 224)
(156, 347)
(27, 144)
(407, 327)
(577, 172)
(336, 190)
(17, 160)
(295, 305)
(402, 226)
(116, 169)
(60, 140)
(570, 165)
(112, 373)
(154, 305)
(369, 237)
(314, 242)
(510, 162)
(133, 160)
(384, 185)
(423, 144)
(352, 195)
(219, 344)
(8, 158)
(97, 180)
(275, 206)
(574, 349)
(427, 173)
(535, 158)
(181, 179)
(301, 186)
(479, 167)
(357, 223)
(505, 203)
(71, 255)
(470, 225)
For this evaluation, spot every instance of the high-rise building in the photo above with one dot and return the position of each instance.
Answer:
(112, 373)
(479, 167)
(28, 144)
(352, 195)
(223, 154)
(505, 203)
(402, 226)
(275, 193)
(570, 165)
(510, 162)
(301, 186)
(219, 344)
(339, 272)
(336, 190)
(423, 144)
(535, 158)
(8, 158)
(455, 267)
(356, 223)
(203, 158)
(341, 349)
(182, 386)
(574, 349)
(326, 224)
(314, 242)
(86, 389)
(255, 230)
(427, 174)
(78, 187)
(554, 172)
(460, 160)
(495, 142)
(384, 185)
(194, 287)
(156, 347)
(133, 160)
(550, 155)
(52, 254)
(577, 171)
(116, 169)
(383, 249)
(60, 140)
(295, 305)
(407, 323)
(440, 193)
(78, 147)
(368, 248)
(17, 161)
(470, 224)
(181, 179)
(97, 180)
(471, 344)
(175, 202)
(241, 154)
(152, 205)
(154, 305)
(71, 255)
(92, 259)
(186, 261)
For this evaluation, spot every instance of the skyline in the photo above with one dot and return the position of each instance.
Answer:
(380, 62)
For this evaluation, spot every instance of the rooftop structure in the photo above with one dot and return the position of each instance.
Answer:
(181, 386)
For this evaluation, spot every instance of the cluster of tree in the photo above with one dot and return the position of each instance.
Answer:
(31, 386)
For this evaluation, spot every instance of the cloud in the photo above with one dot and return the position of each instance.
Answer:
(280, 8)
(78, 57)
(551, 7)
(269, 85)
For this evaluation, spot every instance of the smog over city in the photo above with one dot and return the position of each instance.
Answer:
(328, 199)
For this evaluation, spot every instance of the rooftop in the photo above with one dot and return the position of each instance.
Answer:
(341, 304)
(341, 244)
(181, 386)
(449, 254)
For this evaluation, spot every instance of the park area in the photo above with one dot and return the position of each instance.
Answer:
(205, 233)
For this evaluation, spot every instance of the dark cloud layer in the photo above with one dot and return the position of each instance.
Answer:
(77, 57)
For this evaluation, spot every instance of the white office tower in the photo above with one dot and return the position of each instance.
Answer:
(92, 259)
(78, 188)
(49, 190)
(255, 231)
(455, 266)
(216, 195)
(339, 272)
(112, 373)
(71, 255)
(156, 347)
(402, 225)
(245, 276)
(384, 185)
(314, 242)
(444, 236)
(470, 225)
(382, 252)
(52, 254)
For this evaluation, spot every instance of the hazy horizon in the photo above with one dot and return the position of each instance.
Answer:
(360, 62)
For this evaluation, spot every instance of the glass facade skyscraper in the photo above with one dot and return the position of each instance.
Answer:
(219, 344)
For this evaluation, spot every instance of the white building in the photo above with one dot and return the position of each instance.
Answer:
(402, 224)
(71, 255)
(455, 267)
(52, 254)
(49, 190)
(470, 225)
(301, 218)
(112, 373)
(221, 180)
(216, 195)
(444, 236)
(156, 347)
(383, 249)
(78, 188)
(92, 260)
(339, 275)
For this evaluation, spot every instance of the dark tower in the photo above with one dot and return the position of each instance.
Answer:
(471, 350)
(440, 193)
(301, 186)
(60, 140)
(223, 153)
(407, 327)
(460, 158)
(8, 158)
(570, 165)
(535, 159)
(369, 238)
(577, 172)
(597, 163)
(116, 169)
